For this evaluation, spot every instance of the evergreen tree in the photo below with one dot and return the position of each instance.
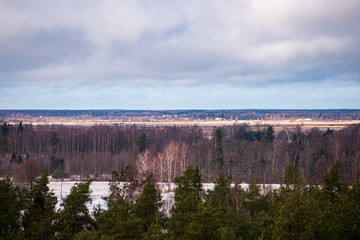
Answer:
(142, 142)
(348, 214)
(156, 229)
(147, 205)
(54, 141)
(219, 219)
(129, 216)
(219, 197)
(5, 129)
(20, 127)
(55, 162)
(118, 221)
(40, 214)
(298, 217)
(254, 202)
(188, 201)
(218, 154)
(333, 188)
(75, 216)
(11, 205)
(4, 144)
(297, 209)
(268, 136)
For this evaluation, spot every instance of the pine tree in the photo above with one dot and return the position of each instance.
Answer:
(256, 209)
(11, 205)
(40, 214)
(220, 219)
(297, 209)
(142, 142)
(75, 216)
(188, 201)
(128, 215)
(156, 229)
(333, 188)
(348, 214)
(218, 154)
(147, 205)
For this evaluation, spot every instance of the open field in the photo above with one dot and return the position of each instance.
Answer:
(100, 189)
(278, 125)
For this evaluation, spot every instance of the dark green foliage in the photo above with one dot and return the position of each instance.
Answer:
(268, 136)
(11, 204)
(218, 153)
(220, 218)
(40, 215)
(349, 213)
(247, 135)
(142, 142)
(54, 141)
(333, 189)
(118, 222)
(20, 127)
(328, 132)
(297, 217)
(129, 218)
(75, 216)
(291, 177)
(5, 129)
(294, 211)
(220, 196)
(188, 202)
(15, 159)
(4, 144)
(85, 235)
(60, 174)
(57, 164)
(254, 202)
(156, 229)
(148, 204)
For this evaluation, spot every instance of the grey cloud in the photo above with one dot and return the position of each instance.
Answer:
(172, 42)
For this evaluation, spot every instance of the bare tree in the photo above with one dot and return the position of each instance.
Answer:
(183, 157)
(144, 164)
(27, 171)
(166, 162)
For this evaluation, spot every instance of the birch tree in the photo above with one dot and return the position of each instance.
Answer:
(144, 164)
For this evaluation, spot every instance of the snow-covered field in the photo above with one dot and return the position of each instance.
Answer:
(101, 189)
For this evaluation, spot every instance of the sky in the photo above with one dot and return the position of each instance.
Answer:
(159, 54)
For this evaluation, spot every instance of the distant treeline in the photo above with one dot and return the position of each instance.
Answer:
(294, 211)
(246, 153)
(241, 114)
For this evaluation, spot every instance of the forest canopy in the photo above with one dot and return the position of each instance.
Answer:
(248, 153)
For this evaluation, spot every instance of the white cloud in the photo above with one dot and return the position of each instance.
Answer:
(181, 43)
(284, 51)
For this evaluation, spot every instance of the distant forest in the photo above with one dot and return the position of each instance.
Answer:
(247, 153)
(241, 114)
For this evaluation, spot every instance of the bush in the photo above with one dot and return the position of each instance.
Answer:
(60, 174)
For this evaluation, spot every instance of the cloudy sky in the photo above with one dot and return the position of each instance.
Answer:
(159, 54)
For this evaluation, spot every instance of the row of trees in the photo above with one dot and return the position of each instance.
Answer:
(245, 114)
(294, 211)
(246, 153)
